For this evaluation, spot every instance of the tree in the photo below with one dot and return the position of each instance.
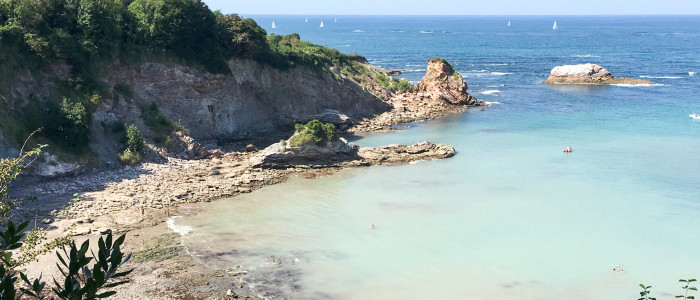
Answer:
(98, 20)
(241, 37)
(187, 28)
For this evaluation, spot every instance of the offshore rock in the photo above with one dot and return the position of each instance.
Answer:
(587, 74)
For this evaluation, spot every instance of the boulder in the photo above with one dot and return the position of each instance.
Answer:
(443, 82)
(587, 74)
(185, 147)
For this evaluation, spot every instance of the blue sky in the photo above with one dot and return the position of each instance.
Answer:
(457, 7)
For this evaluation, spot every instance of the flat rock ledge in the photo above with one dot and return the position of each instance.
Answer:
(588, 74)
(397, 153)
(344, 154)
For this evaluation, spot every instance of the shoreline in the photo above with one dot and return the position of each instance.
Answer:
(139, 200)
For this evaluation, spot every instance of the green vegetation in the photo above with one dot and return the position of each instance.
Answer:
(159, 123)
(440, 59)
(646, 291)
(93, 35)
(9, 170)
(687, 288)
(315, 132)
(135, 146)
(79, 280)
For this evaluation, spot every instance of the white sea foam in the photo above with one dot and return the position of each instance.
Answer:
(584, 55)
(636, 85)
(423, 31)
(500, 73)
(357, 30)
(503, 64)
(489, 103)
(415, 70)
(661, 77)
(692, 73)
(181, 229)
(489, 92)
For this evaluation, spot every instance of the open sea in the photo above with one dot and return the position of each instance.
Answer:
(510, 216)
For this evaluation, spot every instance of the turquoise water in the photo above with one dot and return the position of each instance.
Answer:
(510, 215)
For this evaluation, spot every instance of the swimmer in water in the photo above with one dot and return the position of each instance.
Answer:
(372, 227)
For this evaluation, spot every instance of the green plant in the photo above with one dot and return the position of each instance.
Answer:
(442, 60)
(81, 282)
(687, 288)
(134, 139)
(135, 146)
(315, 132)
(645, 292)
(9, 170)
(130, 158)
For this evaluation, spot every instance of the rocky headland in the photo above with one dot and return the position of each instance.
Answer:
(441, 90)
(588, 74)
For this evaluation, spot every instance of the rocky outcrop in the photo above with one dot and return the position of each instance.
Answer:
(587, 74)
(441, 90)
(342, 153)
(403, 153)
(282, 156)
(442, 82)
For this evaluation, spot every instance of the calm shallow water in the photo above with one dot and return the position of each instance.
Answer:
(510, 215)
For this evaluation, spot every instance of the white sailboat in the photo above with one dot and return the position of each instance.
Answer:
(555, 26)
(335, 20)
(321, 24)
(273, 25)
(306, 21)
(508, 23)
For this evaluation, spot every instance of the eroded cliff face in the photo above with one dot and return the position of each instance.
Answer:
(256, 100)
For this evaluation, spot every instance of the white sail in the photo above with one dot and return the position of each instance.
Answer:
(508, 23)
(273, 24)
(335, 20)
(555, 26)
(306, 21)
(321, 24)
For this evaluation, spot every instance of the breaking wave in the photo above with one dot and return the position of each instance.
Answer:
(181, 229)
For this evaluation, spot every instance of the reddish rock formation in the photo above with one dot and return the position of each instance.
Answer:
(441, 90)
(442, 82)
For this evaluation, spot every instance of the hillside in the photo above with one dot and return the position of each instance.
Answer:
(83, 70)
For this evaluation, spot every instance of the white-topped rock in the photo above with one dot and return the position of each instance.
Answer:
(587, 74)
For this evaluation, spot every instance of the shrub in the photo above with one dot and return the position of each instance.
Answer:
(154, 119)
(315, 132)
(130, 158)
(134, 139)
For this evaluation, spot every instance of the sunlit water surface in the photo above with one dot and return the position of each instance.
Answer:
(510, 216)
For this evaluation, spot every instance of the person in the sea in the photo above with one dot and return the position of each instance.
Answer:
(372, 227)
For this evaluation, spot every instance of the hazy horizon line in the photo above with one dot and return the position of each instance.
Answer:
(474, 15)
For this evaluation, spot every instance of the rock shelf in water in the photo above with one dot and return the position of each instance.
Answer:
(588, 74)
